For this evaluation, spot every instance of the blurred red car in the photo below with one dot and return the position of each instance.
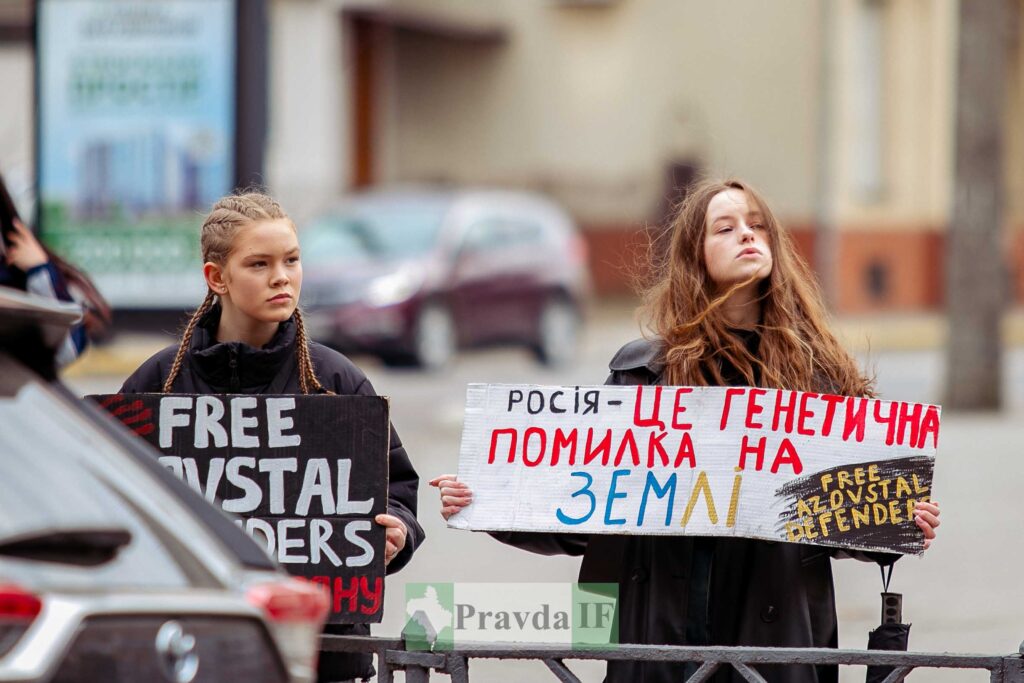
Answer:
(411, 275)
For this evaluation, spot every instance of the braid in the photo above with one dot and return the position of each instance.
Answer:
(307, 378)
(228, 215)
(220, 227)
(186, 340)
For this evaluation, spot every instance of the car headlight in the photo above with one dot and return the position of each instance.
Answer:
(390, 289)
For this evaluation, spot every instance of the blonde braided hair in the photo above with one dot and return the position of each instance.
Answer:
(225, 219)
(307, 378)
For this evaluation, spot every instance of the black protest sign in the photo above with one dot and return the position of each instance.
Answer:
(305, 474)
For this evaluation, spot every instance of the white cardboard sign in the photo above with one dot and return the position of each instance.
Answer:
(709, 461)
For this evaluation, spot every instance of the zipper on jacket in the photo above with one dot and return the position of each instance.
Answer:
(233, 364)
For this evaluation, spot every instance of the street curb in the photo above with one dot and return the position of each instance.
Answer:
(867, 334)
(912, 332)
(119, 358)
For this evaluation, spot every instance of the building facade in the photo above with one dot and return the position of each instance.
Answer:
(842, 112)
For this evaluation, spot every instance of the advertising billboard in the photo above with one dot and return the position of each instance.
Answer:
(136, 137)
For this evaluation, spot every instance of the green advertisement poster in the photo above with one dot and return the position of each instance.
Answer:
(136, 118)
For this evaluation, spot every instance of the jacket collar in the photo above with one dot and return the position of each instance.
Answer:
(641, 354)
(236, 367)
(649, 354)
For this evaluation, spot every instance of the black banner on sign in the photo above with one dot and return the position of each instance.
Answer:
(306, 475)
(866, 505)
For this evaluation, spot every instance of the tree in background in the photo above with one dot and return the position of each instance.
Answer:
(976, 277)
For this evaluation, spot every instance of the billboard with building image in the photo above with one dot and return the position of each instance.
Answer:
(135, 139)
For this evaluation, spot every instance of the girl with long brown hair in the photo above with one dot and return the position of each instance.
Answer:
(732, 304)
(706, 291)
(248, 337)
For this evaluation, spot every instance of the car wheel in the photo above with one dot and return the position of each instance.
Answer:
(558, 332)
(434, 338)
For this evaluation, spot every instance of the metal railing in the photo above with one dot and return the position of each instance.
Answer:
(392, 655)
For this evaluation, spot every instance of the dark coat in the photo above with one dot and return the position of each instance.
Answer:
(211, 367)
(759, 593)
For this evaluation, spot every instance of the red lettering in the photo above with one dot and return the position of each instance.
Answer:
(356, 590)
(758, 450)
(137, 417)
(373, 596)
(830, 412)
(654, 444)
(628, 440)
(534, 431)
(685, 451)
(603, 447)
(911, 419)
(111, 400)
(785, 405)
(563, 440)
(889, 420)
(729, 393)
(653, 420)
(340, 593)
(678, 410)
(805, 414)
(787, 455)
(929, 427)
(127, 407)
(494, 444)
(856, 418)
(754, 409)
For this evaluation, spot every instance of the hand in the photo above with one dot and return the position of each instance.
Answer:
(395, 535)
(926, 516)
(25, 252)
(454, 494)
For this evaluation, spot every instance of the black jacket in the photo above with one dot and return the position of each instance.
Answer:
(211, 367)
(756, 593)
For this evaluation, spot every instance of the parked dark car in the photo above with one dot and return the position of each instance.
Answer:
(111, 569)
(411, 275)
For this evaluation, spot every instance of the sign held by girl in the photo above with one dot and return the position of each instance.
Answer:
(306, 476)
(770, 464)
(247, 340)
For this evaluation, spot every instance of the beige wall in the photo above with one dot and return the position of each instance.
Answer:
(590, 104)
(917, 117)
(307, 162)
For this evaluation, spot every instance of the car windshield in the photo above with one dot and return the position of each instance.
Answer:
(55, 477)
(375, 230)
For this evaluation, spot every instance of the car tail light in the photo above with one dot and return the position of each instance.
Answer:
(296, 610)
(18, 609)
(291, 600)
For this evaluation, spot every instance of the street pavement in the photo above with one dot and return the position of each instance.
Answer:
(965, 595)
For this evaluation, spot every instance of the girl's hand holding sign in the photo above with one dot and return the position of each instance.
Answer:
(396, 533)
(454, 494)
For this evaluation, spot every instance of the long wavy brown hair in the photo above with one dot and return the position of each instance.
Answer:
(797, 350)
(229, 215)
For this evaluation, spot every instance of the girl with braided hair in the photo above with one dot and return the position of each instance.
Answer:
(248, 337)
